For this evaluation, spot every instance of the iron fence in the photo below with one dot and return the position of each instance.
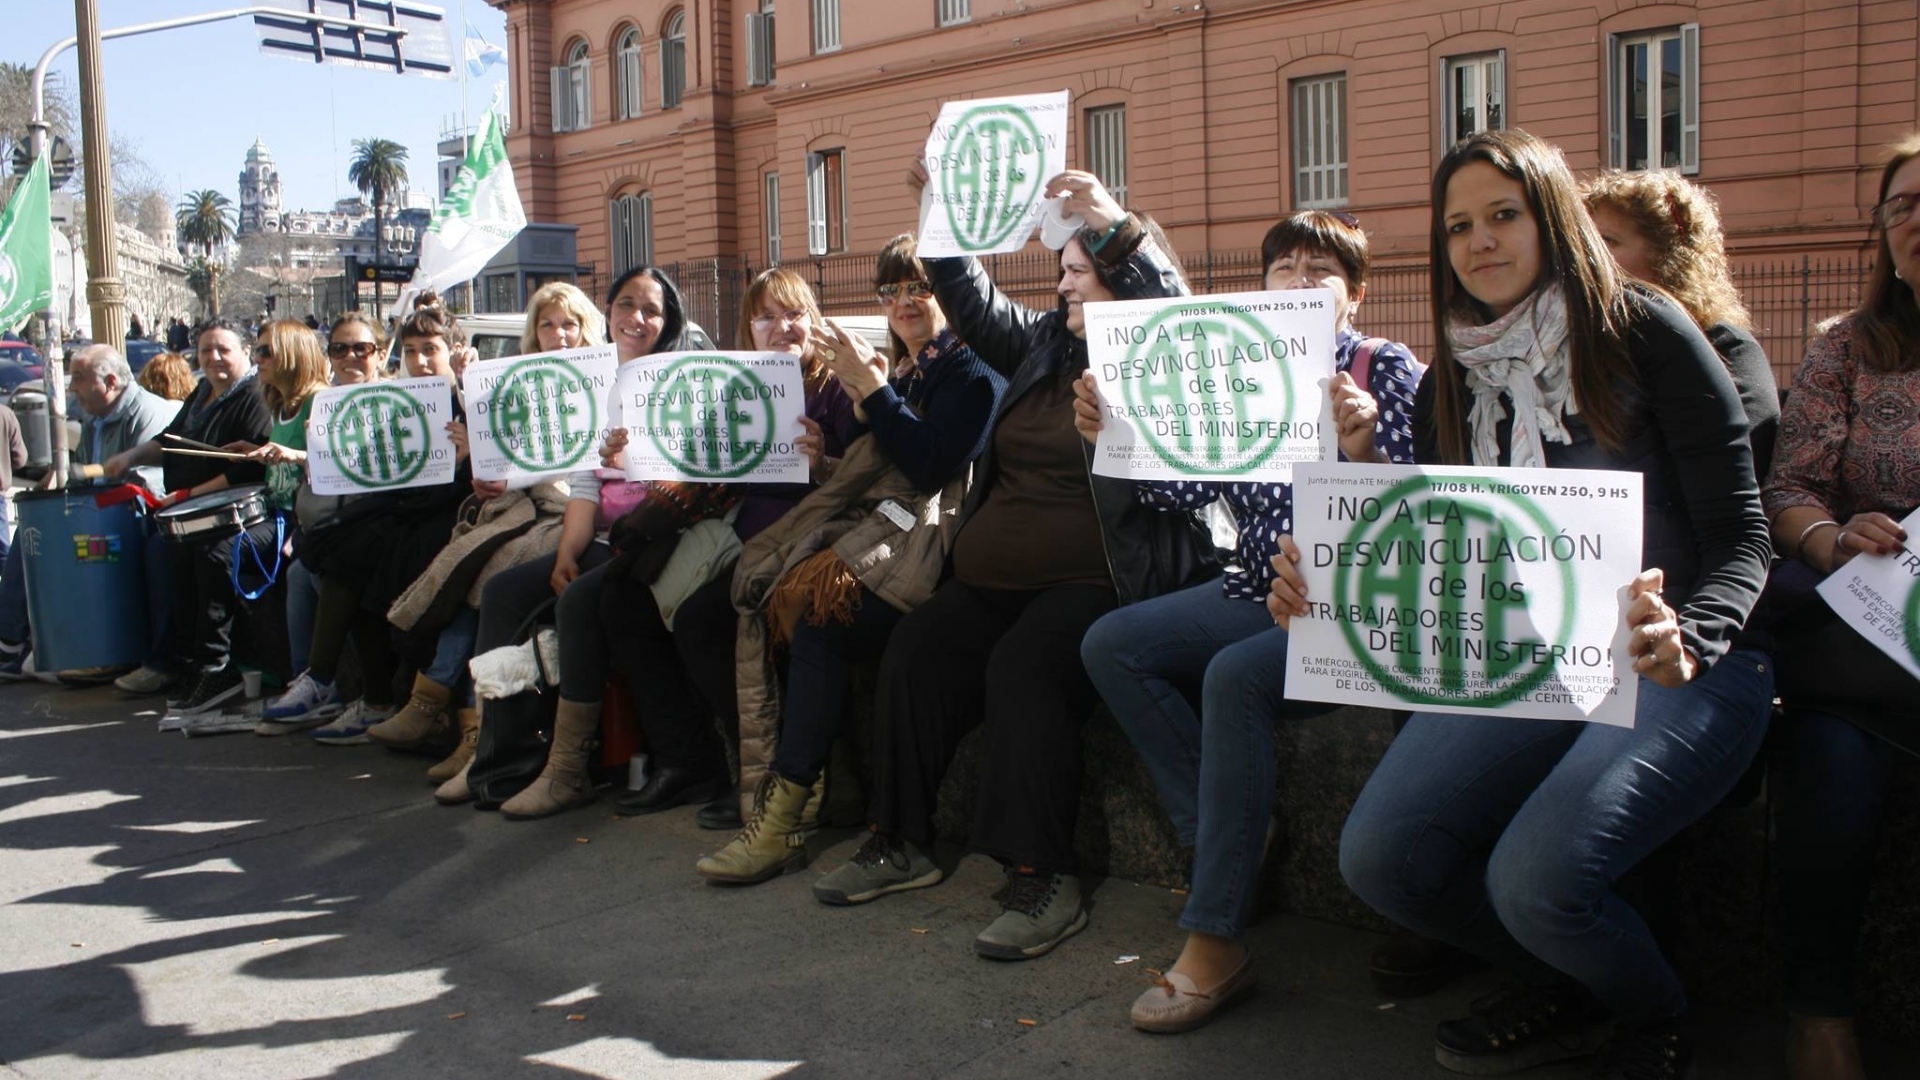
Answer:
(1787, 298)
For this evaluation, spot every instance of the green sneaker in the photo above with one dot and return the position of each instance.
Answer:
(1039, 912)
(883, 864)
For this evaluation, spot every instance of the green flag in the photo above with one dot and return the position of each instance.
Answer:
(26, 249)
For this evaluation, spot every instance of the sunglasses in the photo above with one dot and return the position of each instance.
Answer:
(263, 352)
(360, 350)
(1343, 218)
(918, 290)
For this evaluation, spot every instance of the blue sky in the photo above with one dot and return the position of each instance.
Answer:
(193, 99)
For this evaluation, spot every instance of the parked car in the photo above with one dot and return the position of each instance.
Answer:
(141, 350)
(495, 336)
(13, 375)
(25, 356)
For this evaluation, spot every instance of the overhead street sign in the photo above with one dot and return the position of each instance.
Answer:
(406, 38)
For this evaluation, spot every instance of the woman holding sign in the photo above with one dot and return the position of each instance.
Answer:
(1846, 475)
(1215, 767)
(1505, 835)
(1044, 549)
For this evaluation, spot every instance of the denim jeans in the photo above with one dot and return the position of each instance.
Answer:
(1506, 836)
(451, 653)
(1832, 788)
(303, 601)
(1215, 768)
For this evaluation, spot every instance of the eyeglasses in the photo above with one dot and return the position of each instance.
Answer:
(918, 290)
(263, 352)
(786, 318)
(1894, 210)
(360, 349)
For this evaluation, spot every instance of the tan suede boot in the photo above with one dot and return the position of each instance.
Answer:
(456, 762)
(565, 782)
(455, 791)
(1823, 1048)
(774, 841)
(416, 720)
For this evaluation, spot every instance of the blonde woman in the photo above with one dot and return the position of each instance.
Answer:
(560, 316)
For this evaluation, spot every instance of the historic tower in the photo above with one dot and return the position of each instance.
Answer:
(259, 192)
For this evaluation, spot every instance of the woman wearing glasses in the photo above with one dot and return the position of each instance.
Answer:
(1214, 766)
(928, 406)
(1846, 473)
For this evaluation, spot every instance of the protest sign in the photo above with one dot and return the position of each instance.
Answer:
(1213, 387)
(987, 163)
(716, 417)
(1879, 596)
(541, 415)
(1483, 591)
(380, 436)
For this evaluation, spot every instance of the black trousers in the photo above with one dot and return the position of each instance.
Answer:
(204, 602)
(1012, 659)
(820, 663)
(681, 680)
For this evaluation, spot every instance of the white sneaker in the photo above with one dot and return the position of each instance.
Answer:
(350, 727)
(307, 703)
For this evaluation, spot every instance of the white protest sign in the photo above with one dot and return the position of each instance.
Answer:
(1879, 596)
(1213, 387)
(715, 417)
(381, 436)
(1484, 591)
(987, 163)
(541, 415)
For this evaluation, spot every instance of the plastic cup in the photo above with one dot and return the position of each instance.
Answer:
(251, 680)
(636, 772)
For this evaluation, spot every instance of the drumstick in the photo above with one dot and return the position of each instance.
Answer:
(206, 453)
(188, 442)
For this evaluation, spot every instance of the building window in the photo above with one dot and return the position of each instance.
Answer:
(673, 61)
(572, 87)
(631, 227)
(1474, 95)
(1654, 99)
(771, 186)
(1320, 142)
(630, 71)
(1107, 148)
(826, 25)
(955, 12)
(826, 202)
(760, 45)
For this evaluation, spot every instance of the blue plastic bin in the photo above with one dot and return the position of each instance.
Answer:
(86, 580)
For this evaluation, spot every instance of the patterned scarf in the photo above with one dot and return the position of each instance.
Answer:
(1524, 355)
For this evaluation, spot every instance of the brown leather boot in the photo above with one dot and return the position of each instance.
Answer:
(412, 724)
(469, 720)
(565, 783)
(1822, 1048)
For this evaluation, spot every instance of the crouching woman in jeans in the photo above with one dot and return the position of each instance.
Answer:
(1502, 835)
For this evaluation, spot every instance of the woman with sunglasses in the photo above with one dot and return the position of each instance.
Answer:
(928, 406)
(1214, 766)
(1505, 835)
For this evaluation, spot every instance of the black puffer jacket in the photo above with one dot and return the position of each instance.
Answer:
(1149, 552)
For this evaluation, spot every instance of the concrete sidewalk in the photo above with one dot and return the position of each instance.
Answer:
(244, 907)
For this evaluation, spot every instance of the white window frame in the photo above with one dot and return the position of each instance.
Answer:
(673, 61)
(770, 191)
(1318, 115)
(954, 12)
(826, 26)
(1107, 148)
(580, 87)
(760, 52)
(630, 74)
(821, 211)
(1486, 76)
(1620, 88)
(630, 230)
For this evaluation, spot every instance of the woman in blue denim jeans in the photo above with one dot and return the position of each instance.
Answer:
(1503, 835)
(1216, 777)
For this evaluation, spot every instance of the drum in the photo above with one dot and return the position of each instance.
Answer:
(86, 580)
(218, 515)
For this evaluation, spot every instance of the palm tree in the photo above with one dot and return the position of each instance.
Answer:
(379, 170)
(205, 217)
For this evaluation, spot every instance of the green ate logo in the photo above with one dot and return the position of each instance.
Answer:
(1000, 162)
(712, 417)
(379, 436)
(1432, 560)
(1197, 382)
(1911, 623)
(545, 414)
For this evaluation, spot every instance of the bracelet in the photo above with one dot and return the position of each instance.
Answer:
(1800, 545)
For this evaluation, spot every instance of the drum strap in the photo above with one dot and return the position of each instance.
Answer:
(245, 539)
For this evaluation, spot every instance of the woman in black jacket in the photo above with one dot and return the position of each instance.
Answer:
(1505, 835)
(1044, 549)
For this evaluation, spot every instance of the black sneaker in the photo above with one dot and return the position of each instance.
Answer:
(209, 690)
(1652, 1050)
(1520, 1026)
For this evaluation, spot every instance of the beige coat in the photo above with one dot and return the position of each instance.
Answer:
(514, 528)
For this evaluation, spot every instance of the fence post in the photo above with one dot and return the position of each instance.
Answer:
(1209, 269)
(1806, 301)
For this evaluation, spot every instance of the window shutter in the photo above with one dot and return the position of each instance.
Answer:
(560, 87)
(1690, 98)
(760, 49)
(816, 205)
(1616, 91)
(617, 234)
(645, 230)
(584, 107)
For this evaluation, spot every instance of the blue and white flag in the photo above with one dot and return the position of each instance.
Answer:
(482, 54)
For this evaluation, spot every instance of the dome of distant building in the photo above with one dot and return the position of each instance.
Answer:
(258, 152)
